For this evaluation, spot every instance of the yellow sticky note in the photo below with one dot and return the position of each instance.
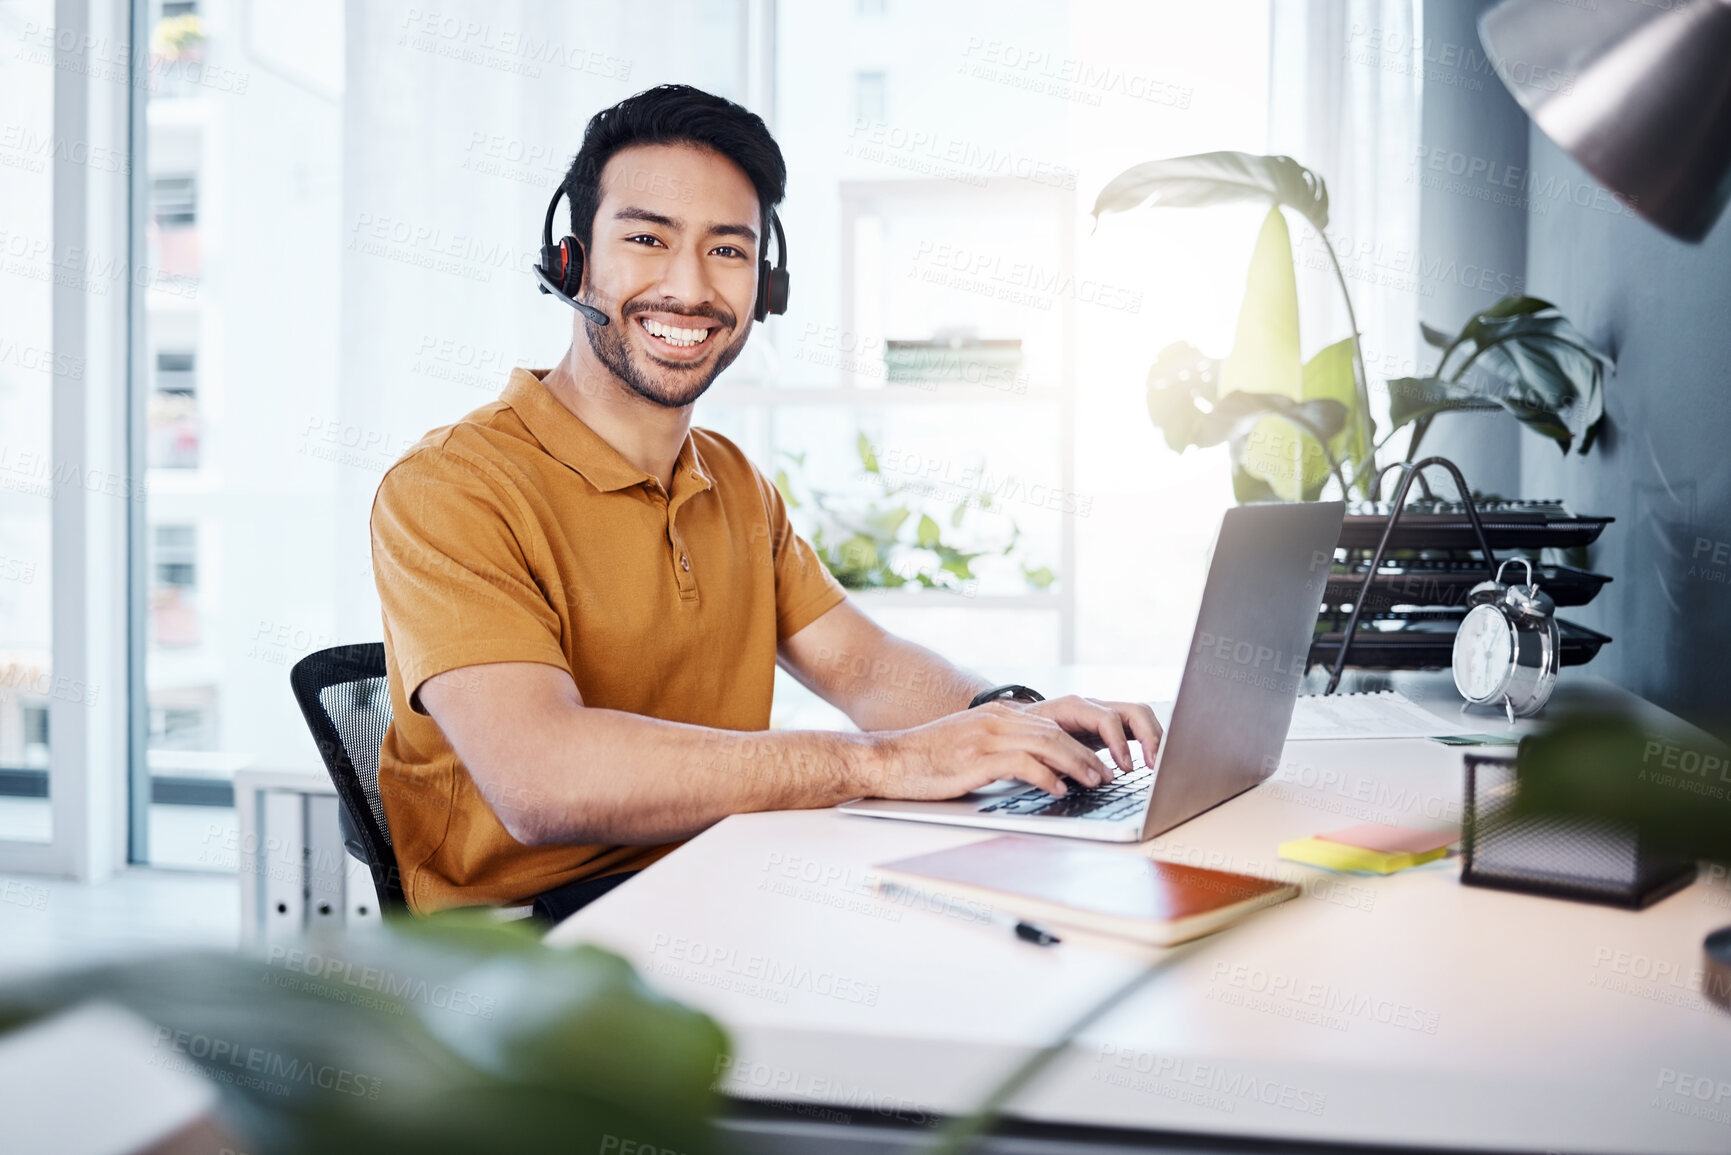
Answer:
(1339, 856)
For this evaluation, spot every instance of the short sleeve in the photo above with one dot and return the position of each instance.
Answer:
(455, 581)
(805, 590)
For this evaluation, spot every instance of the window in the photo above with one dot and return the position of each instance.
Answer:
(179, 728)
(36, 727)
(29, 378)
(177, 556)
(176, 373)
(172, 435)
(244, 121)
(174, 586)
(870, 101)
(174, 201)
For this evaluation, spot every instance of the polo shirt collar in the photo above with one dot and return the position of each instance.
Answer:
(565, 436)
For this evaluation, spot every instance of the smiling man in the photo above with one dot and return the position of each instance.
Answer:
(585, 597)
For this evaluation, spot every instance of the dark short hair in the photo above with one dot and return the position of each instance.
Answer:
(674, 114)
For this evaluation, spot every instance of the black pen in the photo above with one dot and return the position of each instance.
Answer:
(1026, 931)
(1038, 935)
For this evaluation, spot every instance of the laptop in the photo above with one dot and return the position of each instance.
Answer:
(1247, 658)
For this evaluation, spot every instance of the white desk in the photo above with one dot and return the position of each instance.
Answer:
(1406, 1010)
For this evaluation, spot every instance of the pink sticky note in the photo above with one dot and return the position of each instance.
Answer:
(1391, 839)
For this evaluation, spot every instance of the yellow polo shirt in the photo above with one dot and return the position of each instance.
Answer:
(519, 535)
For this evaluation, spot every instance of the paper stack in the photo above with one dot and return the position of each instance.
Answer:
(1372, 847)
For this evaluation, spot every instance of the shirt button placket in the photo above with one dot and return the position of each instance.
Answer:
(681, 564)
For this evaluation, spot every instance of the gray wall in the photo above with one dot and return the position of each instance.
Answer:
(1472, 229)
(1663, 308)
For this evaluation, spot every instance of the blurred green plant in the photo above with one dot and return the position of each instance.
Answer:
(177, 36)
(884, 545)
(458, 1033)
(1293, 425)
(1672, 786)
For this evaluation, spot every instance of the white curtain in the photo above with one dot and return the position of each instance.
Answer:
(1344, 93)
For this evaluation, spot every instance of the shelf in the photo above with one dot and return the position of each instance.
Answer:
(900, 393)
(1426, 640)
(1426, 582)
(1442, 526)
(951, 600)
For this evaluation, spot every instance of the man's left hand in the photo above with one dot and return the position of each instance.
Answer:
(1105, 725)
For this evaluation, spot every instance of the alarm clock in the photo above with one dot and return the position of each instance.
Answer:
(1508, 649)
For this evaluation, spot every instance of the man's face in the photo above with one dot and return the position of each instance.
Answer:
(673, 261)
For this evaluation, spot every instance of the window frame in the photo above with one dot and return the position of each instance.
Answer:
(93, 491)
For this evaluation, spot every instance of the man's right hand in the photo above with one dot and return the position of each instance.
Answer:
(968, 749)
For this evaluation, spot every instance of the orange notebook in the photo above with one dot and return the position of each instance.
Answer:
(1114, 892)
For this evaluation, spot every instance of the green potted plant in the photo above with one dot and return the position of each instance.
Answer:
(874, 545)
(455, 1033)
(1294, 425)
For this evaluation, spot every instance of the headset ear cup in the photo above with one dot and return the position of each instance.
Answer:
(778, 292)
(570, 272)
(771, 291)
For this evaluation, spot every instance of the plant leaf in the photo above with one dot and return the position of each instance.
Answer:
(784, 486)
(1247, 488)
(1525, 355)
(866, 456)
(1238, 414)
(1552, 377)
(1264, 360)
(534, 1049)
(880, 524)
(1411, 398)
(1435, 338)
(1182, 386)
(1603, 765)
(1264, 357)
(1215, 178)
(1472, 334)
(859, 553)
(1517, 306)
(1328, 376)
(955, 561)
(928, 534)
(1281, 450)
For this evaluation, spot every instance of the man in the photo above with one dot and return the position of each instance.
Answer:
(585, 598)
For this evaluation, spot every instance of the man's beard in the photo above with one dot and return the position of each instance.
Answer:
(608, 343)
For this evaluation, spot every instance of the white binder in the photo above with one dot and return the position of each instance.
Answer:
(281, 863)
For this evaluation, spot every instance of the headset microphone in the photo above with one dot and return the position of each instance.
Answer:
(561, 269)
(548, 285)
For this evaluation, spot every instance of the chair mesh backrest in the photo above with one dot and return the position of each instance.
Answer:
(361, 711)
(343, 696)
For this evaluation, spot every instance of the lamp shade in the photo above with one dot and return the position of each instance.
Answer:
(1639, 93)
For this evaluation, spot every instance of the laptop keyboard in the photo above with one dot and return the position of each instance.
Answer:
(1119, 798)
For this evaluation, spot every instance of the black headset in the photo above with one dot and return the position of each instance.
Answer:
(561, 269)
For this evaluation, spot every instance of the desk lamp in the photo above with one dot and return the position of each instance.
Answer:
(1638, 94)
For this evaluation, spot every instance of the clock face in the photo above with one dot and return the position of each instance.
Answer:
(1484, 654)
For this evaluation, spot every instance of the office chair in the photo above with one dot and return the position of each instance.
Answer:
(343, 695)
